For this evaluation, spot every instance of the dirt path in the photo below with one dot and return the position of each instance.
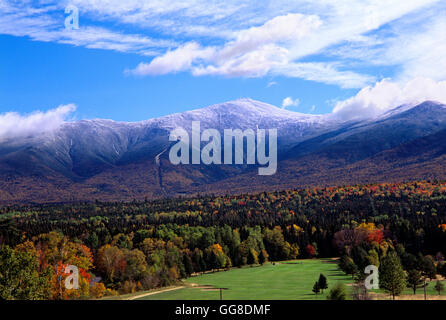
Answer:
(418, 296)
(154, 292)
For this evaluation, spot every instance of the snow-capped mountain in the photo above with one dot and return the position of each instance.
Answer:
(84, 148)
(104, 159)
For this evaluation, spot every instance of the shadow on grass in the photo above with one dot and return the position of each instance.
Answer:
(329, 260)
(336, 274)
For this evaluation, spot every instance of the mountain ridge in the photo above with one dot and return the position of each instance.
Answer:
(109, 160)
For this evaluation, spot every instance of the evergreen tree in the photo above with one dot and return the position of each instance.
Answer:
(392, 277)
(188, 266)
(409, 261)
(360, 257)
(322, 282)
(92, 240)
(348, 266)
(414, 280)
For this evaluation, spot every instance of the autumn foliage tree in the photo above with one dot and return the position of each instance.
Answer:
(19, 278)
(110, 261)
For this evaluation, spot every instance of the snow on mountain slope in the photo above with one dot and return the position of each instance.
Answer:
(87, 147)
(242, 113)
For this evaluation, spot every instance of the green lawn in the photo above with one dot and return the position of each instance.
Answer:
(290, 280)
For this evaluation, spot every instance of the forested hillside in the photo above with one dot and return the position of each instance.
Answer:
(124, 247)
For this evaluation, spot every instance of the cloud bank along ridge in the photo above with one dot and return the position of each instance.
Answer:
(15, 125)
(372, 101)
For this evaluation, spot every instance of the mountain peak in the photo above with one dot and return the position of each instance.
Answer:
(422, 108)
(431, 103)
(246, 107)
(245, 104)
(411, 108)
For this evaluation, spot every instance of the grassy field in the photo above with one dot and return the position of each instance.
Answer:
(291, 280)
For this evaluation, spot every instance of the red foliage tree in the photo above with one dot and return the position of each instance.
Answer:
(311, 251)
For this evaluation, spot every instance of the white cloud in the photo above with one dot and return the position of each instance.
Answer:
(279, 30)
(253, 63)
(421, 53)
(386, 95)
(271, 83)
(177, 60)
(326, 73)
(252, 53)
(278, 43)
(14, 125)
(47, 24)
(290, 102)
(314, 40)
(413, 46)
(255, 52)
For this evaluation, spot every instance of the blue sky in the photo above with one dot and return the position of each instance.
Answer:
(133, 60)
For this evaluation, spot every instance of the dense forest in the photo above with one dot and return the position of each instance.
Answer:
(123, 247)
